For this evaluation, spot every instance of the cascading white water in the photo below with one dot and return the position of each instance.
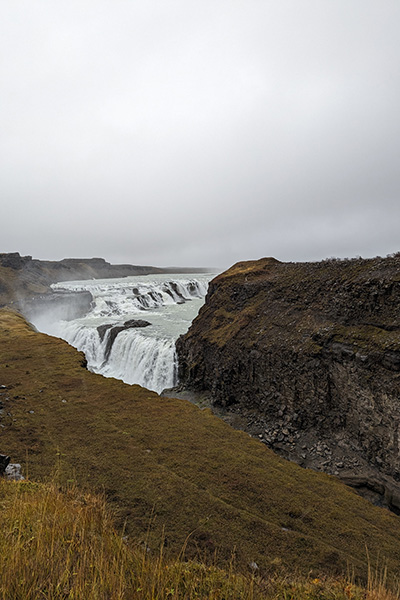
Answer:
(142, 355)
(148, 361)
(121, 297)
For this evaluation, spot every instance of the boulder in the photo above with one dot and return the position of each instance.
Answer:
(4, 462)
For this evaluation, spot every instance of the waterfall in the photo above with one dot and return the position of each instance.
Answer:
(117, 344)
(150, 362)
(112, 299)
(134, 357)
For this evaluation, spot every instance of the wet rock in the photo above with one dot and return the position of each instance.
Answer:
(102, 329)
(115, 330)
(136, 323)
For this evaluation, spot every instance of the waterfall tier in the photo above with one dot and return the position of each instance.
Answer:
(118, 344)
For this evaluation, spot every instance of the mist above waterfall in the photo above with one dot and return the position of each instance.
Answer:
(112, 335)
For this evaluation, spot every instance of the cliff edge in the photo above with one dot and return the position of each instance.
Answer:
(308, 356)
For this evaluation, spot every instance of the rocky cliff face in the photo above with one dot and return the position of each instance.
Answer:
(309, 356)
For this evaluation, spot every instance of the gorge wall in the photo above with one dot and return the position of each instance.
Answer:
(308, 355)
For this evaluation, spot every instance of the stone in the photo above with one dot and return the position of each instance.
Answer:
(4, 462)
(13, 472)
(115, 330)
(136, 323)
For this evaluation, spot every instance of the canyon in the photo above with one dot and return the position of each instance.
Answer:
(303, 356)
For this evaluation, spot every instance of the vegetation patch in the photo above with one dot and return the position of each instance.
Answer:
(166, 462)
(61, 543)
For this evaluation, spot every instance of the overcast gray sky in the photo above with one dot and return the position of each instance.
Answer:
(199, 132)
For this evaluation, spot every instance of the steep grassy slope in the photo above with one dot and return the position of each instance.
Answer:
(166, 462)
(57, 544)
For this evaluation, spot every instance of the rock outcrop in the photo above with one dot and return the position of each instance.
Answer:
(4, 462)
(308, 354)
(116, 329)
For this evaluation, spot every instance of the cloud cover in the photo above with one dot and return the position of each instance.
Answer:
(199, 133)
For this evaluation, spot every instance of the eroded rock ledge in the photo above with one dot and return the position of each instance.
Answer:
(116, 329)
(307, 356)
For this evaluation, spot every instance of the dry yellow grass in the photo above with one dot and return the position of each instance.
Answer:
(58, 544)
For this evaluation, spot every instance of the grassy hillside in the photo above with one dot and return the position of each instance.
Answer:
(172, 470)
(62, 544)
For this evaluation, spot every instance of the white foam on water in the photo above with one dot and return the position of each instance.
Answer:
(144, 356)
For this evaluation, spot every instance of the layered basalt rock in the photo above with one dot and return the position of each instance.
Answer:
(309, 355)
